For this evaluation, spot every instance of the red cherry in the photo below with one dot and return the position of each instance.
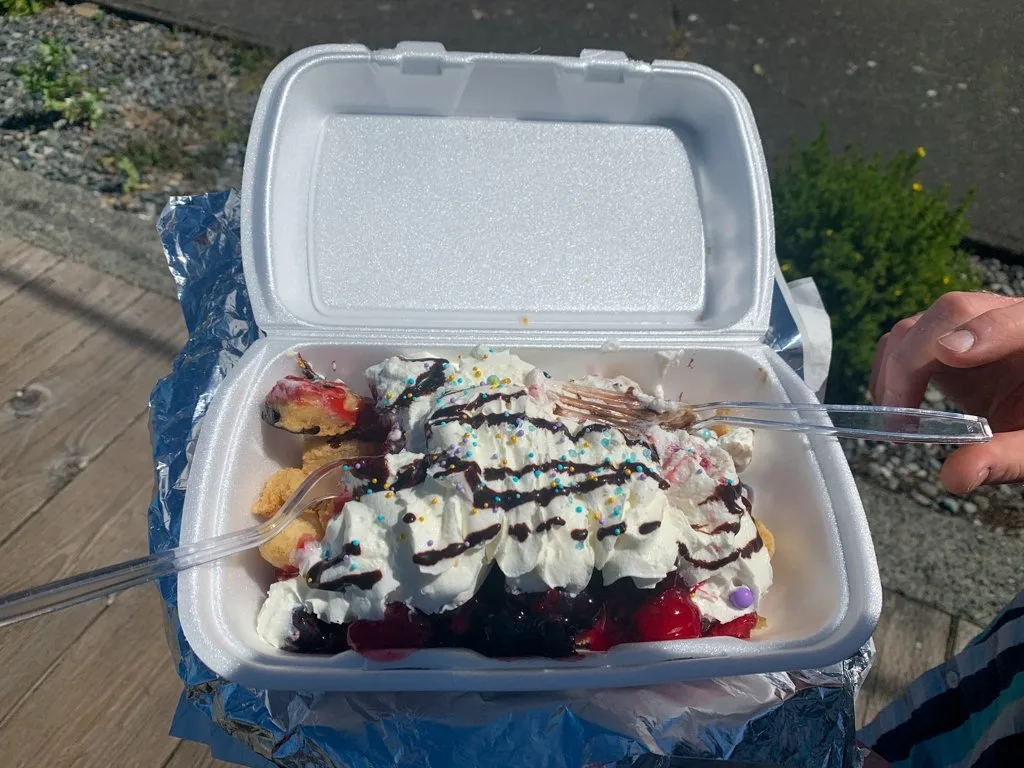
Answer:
(602, 636)
(669, 616)
(400, 628)
(740, 627)
(288, 572)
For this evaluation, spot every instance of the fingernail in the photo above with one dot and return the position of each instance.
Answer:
(981, 478)
(958, 341)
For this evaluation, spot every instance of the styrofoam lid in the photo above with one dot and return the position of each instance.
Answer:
(416, 188)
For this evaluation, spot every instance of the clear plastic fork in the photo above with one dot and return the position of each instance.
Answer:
(323, 484)
(868, 422)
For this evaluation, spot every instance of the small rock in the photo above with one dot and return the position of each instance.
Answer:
(912, 467)
(950, 505)
(86, 10)
(921, 499)
(982, 502)
(929, 489)
(970, 508)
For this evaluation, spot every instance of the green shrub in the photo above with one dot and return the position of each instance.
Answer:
(51, 76)
(877, 243)
(22, 7)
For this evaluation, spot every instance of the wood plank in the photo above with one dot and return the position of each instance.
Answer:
(188, 754)
(963, 632)
(66, 416)
(97, 520)
(20, 263)
(108, 701)
(51, 315)
(911, 638)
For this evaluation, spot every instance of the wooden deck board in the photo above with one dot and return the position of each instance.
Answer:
(20, 263)
(911, 638)
(93, 685)
(98, 519)
(70, 412)
(53, 314)
(108, 700)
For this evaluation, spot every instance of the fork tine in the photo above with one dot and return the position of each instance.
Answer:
(617, 409)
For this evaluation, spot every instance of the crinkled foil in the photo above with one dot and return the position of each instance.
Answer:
(796, 719)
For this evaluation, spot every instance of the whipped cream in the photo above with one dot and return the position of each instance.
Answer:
(491, 476)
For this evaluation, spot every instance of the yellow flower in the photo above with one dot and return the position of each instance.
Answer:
(898, 292)
(945, 279)
(916, 186)
(785, 267)
(921, 152)
(828, 233)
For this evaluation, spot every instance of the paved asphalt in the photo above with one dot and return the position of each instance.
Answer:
(944, 74)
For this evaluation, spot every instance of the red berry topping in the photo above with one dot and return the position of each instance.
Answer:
(400, 628)
(310, 404)
(602, 636)
(288, 572)
(741, 627)
(669, 616)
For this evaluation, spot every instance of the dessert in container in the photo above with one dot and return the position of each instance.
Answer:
(594, 215)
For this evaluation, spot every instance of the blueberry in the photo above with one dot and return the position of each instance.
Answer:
(316, 636)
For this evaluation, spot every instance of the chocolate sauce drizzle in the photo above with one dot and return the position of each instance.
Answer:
(352, 548)
(428, 382)
(732, 528)
(579, 534)
(364, 580)
(483, 496)
(612, 530)
(434, 556)
(461, 415)
(748, 549)
(547, 525)
(733, 496)
(650, 527)
(408, 518)
(520, 532)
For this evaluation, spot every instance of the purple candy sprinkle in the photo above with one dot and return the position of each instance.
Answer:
(430, 542)
(741, 598)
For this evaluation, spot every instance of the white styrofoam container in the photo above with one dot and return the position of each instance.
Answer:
(409, 198)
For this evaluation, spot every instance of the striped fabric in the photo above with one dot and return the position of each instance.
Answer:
(967, 712)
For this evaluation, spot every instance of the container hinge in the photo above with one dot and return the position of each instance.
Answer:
(420, 58)
(604, 66)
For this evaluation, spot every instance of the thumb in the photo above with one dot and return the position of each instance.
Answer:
(990, 336)
(998, 461)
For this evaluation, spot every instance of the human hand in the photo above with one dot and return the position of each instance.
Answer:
(971, 345)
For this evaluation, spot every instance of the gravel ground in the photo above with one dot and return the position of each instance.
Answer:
(177, 106)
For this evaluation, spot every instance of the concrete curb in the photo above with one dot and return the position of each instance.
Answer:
(942, 560)
(72, 222)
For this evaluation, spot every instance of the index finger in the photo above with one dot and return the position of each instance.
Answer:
(910, 363)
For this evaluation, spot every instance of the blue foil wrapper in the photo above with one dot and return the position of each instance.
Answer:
(795, 719)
